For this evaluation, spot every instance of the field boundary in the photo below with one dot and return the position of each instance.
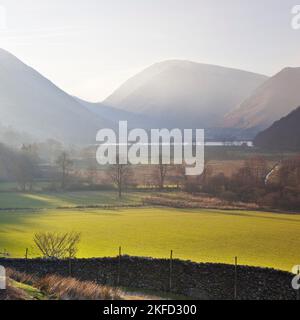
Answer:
(205, 281)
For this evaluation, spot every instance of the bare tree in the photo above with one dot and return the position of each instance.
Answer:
(258, 168)
(65, 164)
(207, 173)
(25, 167)
(162, 170)
(177, 176)
(56, 245)
(119, 174)
(289, 172)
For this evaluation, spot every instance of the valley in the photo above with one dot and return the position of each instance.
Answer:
(194, 234)
(149, 150)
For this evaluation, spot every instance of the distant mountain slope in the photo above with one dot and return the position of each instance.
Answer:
(283, 134)
(184, 94)
(114, 115)
(31, 103)
(276, 98)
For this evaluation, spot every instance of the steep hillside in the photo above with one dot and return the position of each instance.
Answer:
(30, 103)
(283, 134)
(184, 94)
(275, 99)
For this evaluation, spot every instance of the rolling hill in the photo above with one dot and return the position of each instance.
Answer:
(184, 94)
(282, 135)
(276, 98)
(31, 103)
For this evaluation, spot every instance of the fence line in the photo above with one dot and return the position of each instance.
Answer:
(119, 266)
(5, 254)
(235, 277)
(171, 271)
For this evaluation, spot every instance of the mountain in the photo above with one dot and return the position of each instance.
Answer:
(282, 135)
(30, 103)
(276, 98)
(114, 115)
(184, 94)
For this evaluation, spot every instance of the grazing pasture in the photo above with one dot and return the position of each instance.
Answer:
(257, 238)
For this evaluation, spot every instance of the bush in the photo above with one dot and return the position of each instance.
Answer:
(56, 245)
(66, 288)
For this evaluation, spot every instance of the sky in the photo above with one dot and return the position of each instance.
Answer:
(90, 47)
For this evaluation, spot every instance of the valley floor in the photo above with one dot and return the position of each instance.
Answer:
(258, 238)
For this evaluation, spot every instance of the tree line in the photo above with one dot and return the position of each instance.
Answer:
(255, 181)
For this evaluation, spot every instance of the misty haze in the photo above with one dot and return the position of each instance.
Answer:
(75, 226)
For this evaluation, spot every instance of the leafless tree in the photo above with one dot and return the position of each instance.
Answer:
(65, 164)
(258, 168)
(162, 171)
(289, 172)
(119, 174)
(56, 245)
(25, 167)
(207, 173)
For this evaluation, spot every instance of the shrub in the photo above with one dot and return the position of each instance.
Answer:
(66, 288)
(56, 245)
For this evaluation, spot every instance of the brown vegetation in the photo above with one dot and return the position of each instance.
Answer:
(185, 200)
(62, 288)
(12, 293)
(72, 289)
(253, 183)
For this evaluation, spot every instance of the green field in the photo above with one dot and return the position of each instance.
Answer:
(11, 200)
(260, 239)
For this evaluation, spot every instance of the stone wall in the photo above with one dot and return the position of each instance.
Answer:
(200, 281)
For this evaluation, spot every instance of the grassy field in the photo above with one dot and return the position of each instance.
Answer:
(260, 239)
(11, 200)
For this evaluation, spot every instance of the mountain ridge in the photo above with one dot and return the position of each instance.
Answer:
(31, 103)
(274, 99)
(185, 94)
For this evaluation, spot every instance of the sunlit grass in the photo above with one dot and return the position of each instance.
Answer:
(260, 239)
(32, 293)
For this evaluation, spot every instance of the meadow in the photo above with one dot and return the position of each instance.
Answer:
(257, 238)
(48, 200)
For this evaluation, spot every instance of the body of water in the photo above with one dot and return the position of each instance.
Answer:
(228, 144)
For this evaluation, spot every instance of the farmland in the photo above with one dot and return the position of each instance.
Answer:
(257, 238)
(12, 200)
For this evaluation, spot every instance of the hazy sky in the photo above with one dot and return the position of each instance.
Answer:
(89, 47)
